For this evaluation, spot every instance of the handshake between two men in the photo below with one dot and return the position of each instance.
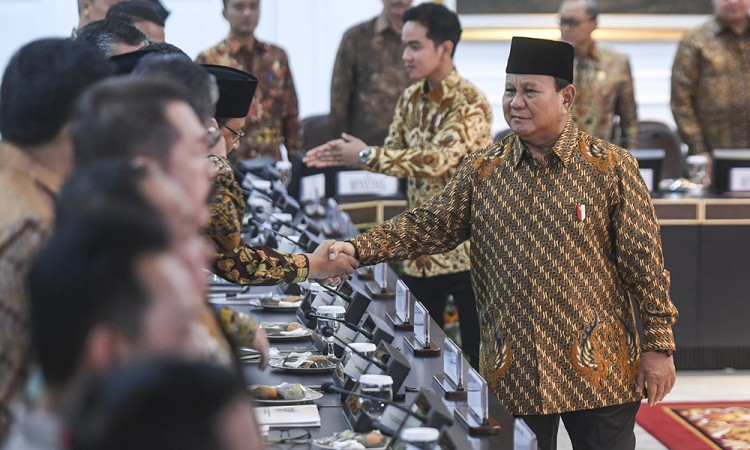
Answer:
(331, 261)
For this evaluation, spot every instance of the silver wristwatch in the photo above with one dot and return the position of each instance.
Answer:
(364, 155)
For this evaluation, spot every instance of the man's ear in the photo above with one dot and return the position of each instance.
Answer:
(569, 95)
(105, 346)
(447, 47)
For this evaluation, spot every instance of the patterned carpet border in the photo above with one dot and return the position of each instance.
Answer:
(715, 425)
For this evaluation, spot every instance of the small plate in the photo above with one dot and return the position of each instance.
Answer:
(277, 303)
(275, 331)
(310, 395)
(321, 366)
(318, 443)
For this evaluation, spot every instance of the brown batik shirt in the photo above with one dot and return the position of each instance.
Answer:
(604, 94)
(368, 77)
(559, 249)
(431, 133)
(27, 191)
(227, 207)
(273, 118)
(711, 88)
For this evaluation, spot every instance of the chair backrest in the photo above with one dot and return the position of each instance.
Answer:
(654, 134)
(501, 134)
(316, 130)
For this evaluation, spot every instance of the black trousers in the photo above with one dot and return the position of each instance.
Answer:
(433, 293)
(608, 428)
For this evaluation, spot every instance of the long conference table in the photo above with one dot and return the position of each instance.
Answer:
(420, 376)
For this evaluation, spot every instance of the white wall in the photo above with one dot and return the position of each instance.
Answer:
(310, 31)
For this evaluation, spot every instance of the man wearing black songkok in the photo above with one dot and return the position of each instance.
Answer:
(563, 238)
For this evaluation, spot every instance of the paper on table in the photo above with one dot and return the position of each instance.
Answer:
(288, 416)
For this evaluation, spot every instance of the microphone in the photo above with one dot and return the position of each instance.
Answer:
(337, 293)
(330, 388)
(311, 314)
(276, 233)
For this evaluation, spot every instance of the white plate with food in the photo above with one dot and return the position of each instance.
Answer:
(285, 331)
(283, 394)
(351, 440)
(277, 302)
(303, 363)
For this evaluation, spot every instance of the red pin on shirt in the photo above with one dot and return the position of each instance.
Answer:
(581, 212)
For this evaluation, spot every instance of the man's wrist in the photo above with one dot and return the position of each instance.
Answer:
(666, 352)
(364, 155)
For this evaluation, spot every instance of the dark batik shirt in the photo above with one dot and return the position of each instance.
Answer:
(604, 94)
(227, 207)
(711, 88)
(368, 77)
(558, 250)
(273, 118)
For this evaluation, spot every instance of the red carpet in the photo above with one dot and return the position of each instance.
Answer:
(698, 425)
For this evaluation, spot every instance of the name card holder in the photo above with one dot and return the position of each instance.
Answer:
(378, 288)
(365, 273)
(400, 318)
(419, 343)
(474, 416)
(451, 381)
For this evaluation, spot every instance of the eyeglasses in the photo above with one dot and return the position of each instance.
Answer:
(570, 22)
(214, 134)
(237, 134)
(293, 436)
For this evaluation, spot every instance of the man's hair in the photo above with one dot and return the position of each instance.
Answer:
(105, 34)
(125, 117)
(154, 405)
(164, 48)
(591, 6)
(442, 24)
(87, 274)
(40, 86)
(560, 83)
(136, 11)
(200, 86)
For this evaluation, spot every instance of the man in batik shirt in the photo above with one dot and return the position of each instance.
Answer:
(710, 76)
(40, 85)
(563, 238)
(438, 121)
(605, 102)
(368, 76)
(273, 118)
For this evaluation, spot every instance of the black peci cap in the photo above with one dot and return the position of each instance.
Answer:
(236, 90)
(529, 56)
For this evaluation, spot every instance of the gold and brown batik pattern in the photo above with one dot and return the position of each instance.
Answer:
(711, 88)
(559, 249)
(431, 133)
(604, 92)
(27, 192)
(273, 118)
(227, 207)
(368, 77)
(261, 266)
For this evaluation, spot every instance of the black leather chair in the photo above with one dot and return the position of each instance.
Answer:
(655, 134)
(501, 134)
(316, 130)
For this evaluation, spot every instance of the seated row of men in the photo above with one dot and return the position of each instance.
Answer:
(123, 272)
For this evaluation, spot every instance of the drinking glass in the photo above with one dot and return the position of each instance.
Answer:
(379, 387)
(420, 438)
(327, 313)
(285, 172)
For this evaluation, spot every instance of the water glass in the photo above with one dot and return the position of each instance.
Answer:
(381, 388)
(327, 313)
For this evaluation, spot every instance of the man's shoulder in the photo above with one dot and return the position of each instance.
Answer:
(363, 29)
(610, 53)
(601, 149)
(212, 54)
(470, 90)
(702, 33)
